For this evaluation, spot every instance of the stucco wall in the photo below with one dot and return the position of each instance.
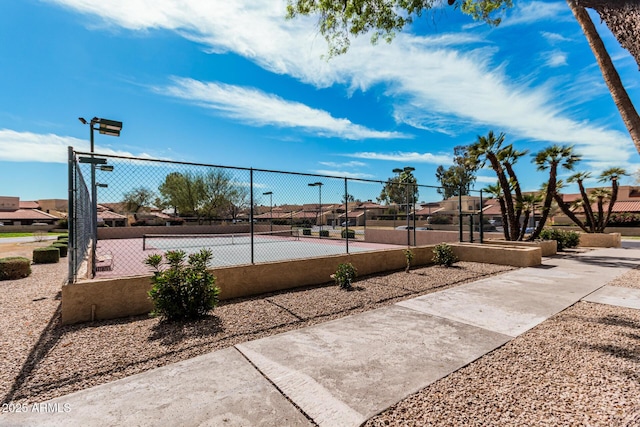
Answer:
(128, 296)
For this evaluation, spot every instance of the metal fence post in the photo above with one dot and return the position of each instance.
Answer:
(481, 219)
(460, 214)
(346, 214)
(251, 212)
(71, 217)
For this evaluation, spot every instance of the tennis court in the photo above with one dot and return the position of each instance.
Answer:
(228, 249)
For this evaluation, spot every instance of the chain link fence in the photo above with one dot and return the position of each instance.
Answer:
(244, 216)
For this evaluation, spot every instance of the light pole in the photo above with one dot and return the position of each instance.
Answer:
(270, 194)
(406, 170)
(319, 185)
(105, 127)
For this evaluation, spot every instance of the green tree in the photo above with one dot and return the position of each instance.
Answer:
(136, 199)
(339, 20)
(397, 187)
(219, 193)
(459, 177)
(551, 158)
(185, 192)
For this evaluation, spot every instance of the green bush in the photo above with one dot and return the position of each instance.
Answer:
(345, 275)
(566, 239)
(62, 247)
(63, 237)
(443, 255)
(409, 255)
(324, 233)
(182, 291)
(348, 233)
(306, 232)
(48, 255)
(16, 267)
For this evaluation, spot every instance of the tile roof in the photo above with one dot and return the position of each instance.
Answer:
(26, 214)
(27, 204)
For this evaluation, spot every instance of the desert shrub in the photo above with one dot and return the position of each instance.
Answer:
(306, 232)
(348, 233)
(409, 255)
(566, 239)
(324, 233)
(345, 275)
(443, 255)
(182, 290)
(63, 223)
(62, 247)
(48, 255)
(16, 267)
(440, 219)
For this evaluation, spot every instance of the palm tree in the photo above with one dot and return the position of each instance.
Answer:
(612, 174)
(495, 191)
(488, 149)
(600, 195)
(508, 157)
(550, 158)
(527, 203)
(566, 209)
(609, 73)
(586, 205)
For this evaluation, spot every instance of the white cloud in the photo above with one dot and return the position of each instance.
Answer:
(436, 159)
(258, 108)
(555, 58)
(430, 85)
(343, 174)
(535, 11)
(353, 164)
(554, 38)
(45, 148)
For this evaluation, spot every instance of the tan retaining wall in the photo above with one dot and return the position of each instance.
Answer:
(600, 240)
(112, 298)
(548, 247)
(496, 254)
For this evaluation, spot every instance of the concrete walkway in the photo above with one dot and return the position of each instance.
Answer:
(340, 373)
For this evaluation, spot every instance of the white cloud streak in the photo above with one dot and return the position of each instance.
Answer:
(257, 108)
(431, 85)
(436, 159)
(45, 148)
(343, 174)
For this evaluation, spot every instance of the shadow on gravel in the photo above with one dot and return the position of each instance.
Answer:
(171, 332)
(48, 339)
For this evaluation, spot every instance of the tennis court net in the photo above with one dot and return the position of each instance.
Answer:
(179, 241)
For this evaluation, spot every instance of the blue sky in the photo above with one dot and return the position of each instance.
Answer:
(234, 83)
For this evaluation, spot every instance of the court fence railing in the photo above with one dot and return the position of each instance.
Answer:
(139, 200)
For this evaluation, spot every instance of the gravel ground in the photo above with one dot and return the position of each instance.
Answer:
(47, 360)
(579, 368)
